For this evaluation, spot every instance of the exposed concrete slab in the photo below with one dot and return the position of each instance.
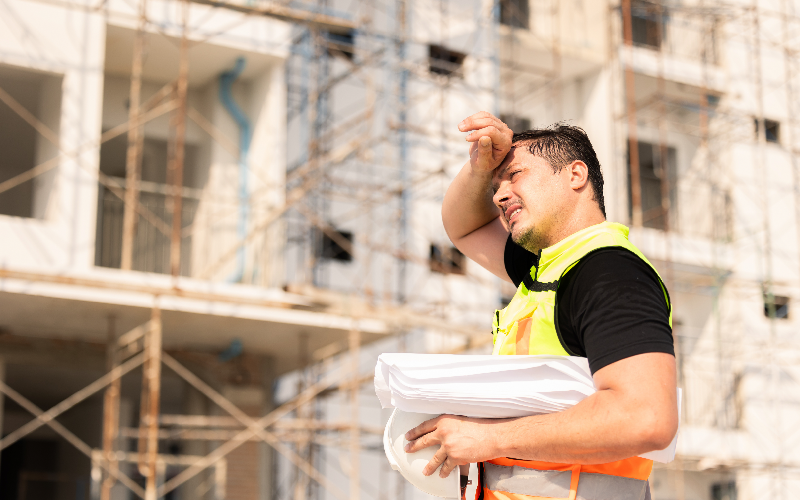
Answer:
(196, 315)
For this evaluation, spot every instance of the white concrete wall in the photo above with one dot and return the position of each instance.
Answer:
(70, 44)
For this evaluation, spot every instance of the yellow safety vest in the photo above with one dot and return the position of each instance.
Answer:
(528, 326)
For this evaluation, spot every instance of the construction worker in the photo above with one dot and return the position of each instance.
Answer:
(529, 208)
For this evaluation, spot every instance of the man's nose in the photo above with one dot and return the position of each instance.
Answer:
(501, 195)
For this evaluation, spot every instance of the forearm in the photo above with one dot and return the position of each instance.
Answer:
(467, 204)
(597, 430)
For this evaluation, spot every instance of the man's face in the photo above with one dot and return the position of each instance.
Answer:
(529, 195)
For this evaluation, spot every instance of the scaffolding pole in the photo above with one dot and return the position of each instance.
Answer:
(110, 413)
(178, 146)
(135, 142)
(150, 404)
(630, 110)
(354, 341)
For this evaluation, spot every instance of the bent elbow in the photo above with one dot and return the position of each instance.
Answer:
(658, 434)
(662, 438)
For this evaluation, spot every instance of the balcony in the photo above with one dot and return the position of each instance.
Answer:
(151, 247)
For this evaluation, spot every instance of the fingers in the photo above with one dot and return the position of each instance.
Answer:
(422, 443)
(499, 137)
(484, 150)
(422, 429)
(435, 462)
(479, 120)
(447, 467)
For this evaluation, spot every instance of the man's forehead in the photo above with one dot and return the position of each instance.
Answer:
(514, 155)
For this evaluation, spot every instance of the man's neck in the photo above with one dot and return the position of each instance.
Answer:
(578, 222)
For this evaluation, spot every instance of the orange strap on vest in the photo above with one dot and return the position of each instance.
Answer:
(510, 483)
(634, 467)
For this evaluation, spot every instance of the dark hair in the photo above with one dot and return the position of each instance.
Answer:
(562, 144)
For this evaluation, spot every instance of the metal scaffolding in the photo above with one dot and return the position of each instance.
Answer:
(371, 169)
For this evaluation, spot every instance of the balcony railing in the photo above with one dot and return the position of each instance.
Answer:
(151, 247)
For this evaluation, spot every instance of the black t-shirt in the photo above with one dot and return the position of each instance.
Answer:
(610, 306)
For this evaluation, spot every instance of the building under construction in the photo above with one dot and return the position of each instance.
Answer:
(214, 216)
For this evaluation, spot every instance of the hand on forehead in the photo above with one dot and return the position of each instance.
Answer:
(512, 156)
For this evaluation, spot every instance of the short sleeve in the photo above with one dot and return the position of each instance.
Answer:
(611, 306)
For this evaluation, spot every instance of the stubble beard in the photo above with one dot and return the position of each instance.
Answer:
(528, 239)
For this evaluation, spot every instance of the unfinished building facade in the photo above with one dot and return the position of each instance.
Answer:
(207, 208)
(691, 108)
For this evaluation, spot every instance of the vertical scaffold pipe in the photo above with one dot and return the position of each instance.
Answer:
(405, 197)
(226, 80)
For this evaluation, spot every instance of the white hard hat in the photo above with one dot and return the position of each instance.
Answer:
(410, 465)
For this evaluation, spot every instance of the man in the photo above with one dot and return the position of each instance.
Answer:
(529, 208)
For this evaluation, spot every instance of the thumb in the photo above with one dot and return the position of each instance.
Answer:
(485, 150)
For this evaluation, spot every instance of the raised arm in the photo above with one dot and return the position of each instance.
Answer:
(471, 219)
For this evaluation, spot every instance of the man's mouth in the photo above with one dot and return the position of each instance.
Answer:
(512, 212)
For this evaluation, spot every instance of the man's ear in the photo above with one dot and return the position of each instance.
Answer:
(578, 175)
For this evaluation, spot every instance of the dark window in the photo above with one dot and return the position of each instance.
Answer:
(516, 123)
(447, 260)
(723, 491)
(337, 246)
(657, 185)
(515, 13)
(151, 247)
(341, 44)
(22, 147)
(647, 23)
(772, 129)
(31, 470)
(444, 61)
(776, 306)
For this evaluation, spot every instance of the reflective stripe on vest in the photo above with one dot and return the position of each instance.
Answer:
(573, 484)
(527, 326)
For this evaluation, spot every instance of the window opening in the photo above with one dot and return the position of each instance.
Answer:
(22, 147)
(515, 13)
(647, 24)
(31, 470)
(443, 61)
(723, 491)
(334, 248)
(447, 260)
(772, 129)
(776, 306)
(341, 44)
(657, 186)
(151, 246)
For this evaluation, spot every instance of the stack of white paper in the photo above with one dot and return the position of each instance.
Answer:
(482, 386)
(485, 386)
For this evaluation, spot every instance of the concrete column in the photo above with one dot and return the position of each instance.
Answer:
(268, 164)
(76, 180)
(216, 226)
(49, 113)
(266, 452)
